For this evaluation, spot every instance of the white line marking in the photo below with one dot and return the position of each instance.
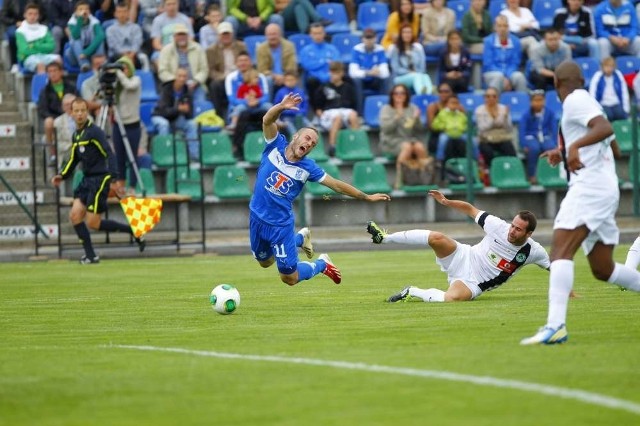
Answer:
(567, 393)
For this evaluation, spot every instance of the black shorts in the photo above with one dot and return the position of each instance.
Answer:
(93, 192)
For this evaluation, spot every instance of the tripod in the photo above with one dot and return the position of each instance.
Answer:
(102, 119)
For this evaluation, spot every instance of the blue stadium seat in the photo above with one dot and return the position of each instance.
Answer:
(299, 41)
(628, 64)
(518, 103)
(146, 110)
(552, 102)
(337, 13)
(252, 45)
(544, 10)
(148, 92)
(37, 84)
(460, 7)
(373, 15)
(422, 102)
(345, 42)
(471, 101)
(495, 7)
(372, 106)
(81, 78)
(589, 67)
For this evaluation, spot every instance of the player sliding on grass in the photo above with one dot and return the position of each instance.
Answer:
(474, 269)
(283, 171)
(587, 214)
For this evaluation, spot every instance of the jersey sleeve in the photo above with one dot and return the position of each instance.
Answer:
(582, 109)
(539, 256)
(316, 173)
(490, 223)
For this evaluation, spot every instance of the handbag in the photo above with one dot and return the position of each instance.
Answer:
(497, 135)
(418, 172)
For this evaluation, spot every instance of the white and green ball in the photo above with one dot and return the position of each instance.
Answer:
(225, 299)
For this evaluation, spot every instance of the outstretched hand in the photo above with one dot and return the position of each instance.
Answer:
(438, 196)
(291, 101)
(378, 197)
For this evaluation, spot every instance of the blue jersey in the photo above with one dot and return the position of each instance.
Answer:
(279, 181)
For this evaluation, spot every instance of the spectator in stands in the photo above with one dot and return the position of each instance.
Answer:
(208, 34)
(50, 103)
(538, 132)
(451, 122)
(545, 57)
(576, 24)
(369, 68)
(275, 57)
(476, 25)
(401, 130)
(124, 38)
(523, 25)
(127, 103)
(64, 125)
(617, 28)
(636, 87)
(336, 106)
(250, 17)
(11, 16)
(501, 59)
(610, 90)
(455, 63)
(91, 89)
(86, 37)
(297, 15)
(408, 63)
(249, 96)
(404, 15)
(292, 120)
(235, 79)
(222, 58)
(174, 111)
(495, 129)
(163, 26)
(105, 10)
(35, 42)
(437, 21)
(434, 108)
(314, 60)
(149, 9)
(59, 12)
(188, 54)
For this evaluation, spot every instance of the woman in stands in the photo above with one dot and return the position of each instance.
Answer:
(523, 25)
(405, 15)
(495, 129)
(408, 63)
(437, 22)
(455, 63)
(476, 25)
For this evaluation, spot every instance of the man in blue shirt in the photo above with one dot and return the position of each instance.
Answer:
(315, 58)
(369, 68)
(283, 172)
(617, 28)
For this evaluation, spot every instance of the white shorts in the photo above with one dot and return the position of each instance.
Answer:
(458, 268)
(595, 209)
(327, 117)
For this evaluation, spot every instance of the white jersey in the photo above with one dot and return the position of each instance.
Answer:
(494, 260)
(599, 171)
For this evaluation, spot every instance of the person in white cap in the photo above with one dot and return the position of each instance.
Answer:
(163, 27)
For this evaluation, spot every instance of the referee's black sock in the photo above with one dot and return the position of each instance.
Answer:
(85, 238)
(113, 226)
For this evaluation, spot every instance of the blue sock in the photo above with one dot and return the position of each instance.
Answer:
(299, 239)
(308, 270)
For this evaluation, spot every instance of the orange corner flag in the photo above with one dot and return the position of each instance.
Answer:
(141, 213)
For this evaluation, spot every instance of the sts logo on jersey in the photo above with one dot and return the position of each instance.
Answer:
(279, 183)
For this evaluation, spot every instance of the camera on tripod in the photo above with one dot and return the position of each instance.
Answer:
(108, 78)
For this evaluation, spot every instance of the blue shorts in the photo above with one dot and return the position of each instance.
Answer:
(279, 241)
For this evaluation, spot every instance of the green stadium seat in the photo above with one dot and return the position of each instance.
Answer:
(370, 177)
(549, 176)
(253, 146)
(216, 149)
(146, 175)
(188, 182)
(622, 129)
(508, 173)
(460, 165)
(162, 151)
(230, 182)
(319, 153)
(319, 189)
(353, 145)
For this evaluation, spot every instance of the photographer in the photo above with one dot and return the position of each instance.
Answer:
(174, 110)
(91, 88)
(127, 102)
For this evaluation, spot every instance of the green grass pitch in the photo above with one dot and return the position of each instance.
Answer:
(61, 324)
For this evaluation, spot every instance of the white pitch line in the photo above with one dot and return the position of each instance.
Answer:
(567, 393)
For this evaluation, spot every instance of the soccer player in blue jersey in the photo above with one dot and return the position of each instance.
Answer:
(283, 171)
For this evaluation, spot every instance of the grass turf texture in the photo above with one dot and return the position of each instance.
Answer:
(56, 317)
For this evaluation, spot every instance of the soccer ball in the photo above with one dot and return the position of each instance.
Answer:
(225, 299)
